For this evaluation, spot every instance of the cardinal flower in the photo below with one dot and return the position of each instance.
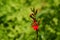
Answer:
(35, 25)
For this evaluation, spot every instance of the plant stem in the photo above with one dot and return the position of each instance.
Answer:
(36, 34)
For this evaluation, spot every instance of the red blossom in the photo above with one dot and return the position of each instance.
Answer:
(35, 25)
(32, 15)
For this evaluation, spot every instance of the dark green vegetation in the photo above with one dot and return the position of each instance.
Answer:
(15, 23)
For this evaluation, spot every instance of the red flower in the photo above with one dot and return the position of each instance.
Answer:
(35, 25)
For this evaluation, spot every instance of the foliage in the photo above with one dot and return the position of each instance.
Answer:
(15, 23)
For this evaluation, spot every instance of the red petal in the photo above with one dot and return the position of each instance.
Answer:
(35, 27)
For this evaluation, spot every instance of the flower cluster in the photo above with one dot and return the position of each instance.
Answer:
(33, 16)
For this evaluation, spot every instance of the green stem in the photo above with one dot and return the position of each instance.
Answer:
(36, 34)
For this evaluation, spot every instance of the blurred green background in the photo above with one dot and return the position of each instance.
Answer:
(15, 22)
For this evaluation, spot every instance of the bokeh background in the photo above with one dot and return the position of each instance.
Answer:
(15, 22)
